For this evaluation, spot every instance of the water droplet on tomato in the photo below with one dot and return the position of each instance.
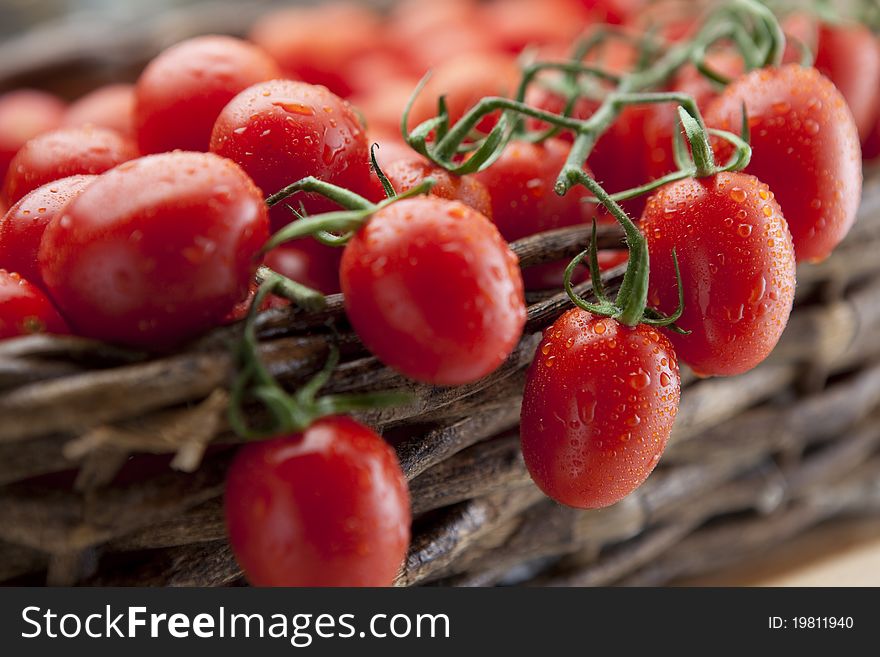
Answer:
(744, 230)
(738, 194)
(639, 380)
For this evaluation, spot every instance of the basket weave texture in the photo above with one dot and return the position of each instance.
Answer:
(753, 459)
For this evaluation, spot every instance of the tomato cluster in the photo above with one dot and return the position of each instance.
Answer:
(140, 214)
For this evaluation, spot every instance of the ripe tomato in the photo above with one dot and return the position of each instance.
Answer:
(317, 44)
(383, 105)
(613, 11)
(24, 309)
(308, 262)
(599, 404)
(62, 153)
(662, 120)
(22, 227)
(281, 131)
(325, 507)
(520, 184)
(465, 80)
(181, 92)
(157, 250)
(737, 269)
(518, 24)
(24, 114)
(110, 107)
(392, 271)
(805, 146)
(849, 56)
(406, 173)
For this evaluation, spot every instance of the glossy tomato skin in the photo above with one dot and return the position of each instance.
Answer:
(281, 131)
(433, 291)
(599, 404)
(325, 507)
(408, 172)
(24, 309)
(62, 153)
(308, 262)
(156, 251)
(805, 146)
(849, 56)
(25, 114)
(182, 91)
(111, 106)
(521, 183)
(22, 227)
(737, 267)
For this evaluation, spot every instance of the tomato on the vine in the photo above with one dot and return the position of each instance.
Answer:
(25, 114)
(281, 131)
(183, 90)
(849, 56)
(737, 268)
(805, 146)
(62, 153)
(309, 262)
(111, 106)
(157, 250)
(408, 172)
(22, 227)
(599, 404)
(24, 309)
(325, 507)
(433, 291)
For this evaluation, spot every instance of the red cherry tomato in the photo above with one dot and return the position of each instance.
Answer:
(24, 309)
(325, 507)
(599, 404)
(737, 268)
(22, 227)
(110, 107)
(392, 271)
(662, 120)
(464, 81)
(281, 131)
(849, 56)
(406, 173)
(62, 153)
(520, 184)
(613, 11)
(157, 250)
(308, 262)
(805, 146)
(383, 105)
(317, 44)
(25, 114)
(181, 92)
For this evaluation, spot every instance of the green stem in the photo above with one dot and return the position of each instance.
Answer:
(343, 197)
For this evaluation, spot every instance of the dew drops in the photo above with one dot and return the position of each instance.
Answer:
(639, 380)
(811, 127)
(599, 328)
(744, 230)
(665, 379)
(738, 194)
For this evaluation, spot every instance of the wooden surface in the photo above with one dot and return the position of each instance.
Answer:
(841, 553)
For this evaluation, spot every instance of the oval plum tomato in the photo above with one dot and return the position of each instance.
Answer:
(849, 56)
(182, 91)
(805, 146)
(317, 44)
(325, 507)
(157, 250)
(21, 229)
(25, 114)
(24, 309)
(309, 262)
(281, 131)
(599, 404)
(110, 107)
(464, 81)
(433, 291)
(62, 153)
(737, 269)
(406, 173)
(520, 185)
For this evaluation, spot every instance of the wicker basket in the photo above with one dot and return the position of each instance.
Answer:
(112, 463)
